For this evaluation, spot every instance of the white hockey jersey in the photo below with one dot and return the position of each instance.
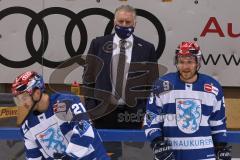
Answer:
(44, 134)
(190, 116)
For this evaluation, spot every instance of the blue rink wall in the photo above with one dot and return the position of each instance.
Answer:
(111, 135)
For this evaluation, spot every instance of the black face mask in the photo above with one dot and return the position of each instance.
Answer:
(123, 32)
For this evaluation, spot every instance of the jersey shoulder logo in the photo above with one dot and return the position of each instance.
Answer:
(210, 88)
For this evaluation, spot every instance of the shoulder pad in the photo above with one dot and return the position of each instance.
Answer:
(162, 86)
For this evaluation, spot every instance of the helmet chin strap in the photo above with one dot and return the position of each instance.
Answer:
(32, 107)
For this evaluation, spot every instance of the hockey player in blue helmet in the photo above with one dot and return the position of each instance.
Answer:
(185, 116)
(48, 135)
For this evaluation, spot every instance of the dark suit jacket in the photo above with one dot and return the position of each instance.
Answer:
(97, 74)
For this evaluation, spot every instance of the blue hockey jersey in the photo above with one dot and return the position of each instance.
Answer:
(190, 116)
(46, 134)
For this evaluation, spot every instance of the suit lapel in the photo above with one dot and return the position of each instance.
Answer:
(137, 49)
(107, 45)
(106, 56)
(107, 50)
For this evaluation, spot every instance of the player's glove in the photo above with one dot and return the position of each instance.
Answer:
(162, 150)
(61, 156)
(223, 151)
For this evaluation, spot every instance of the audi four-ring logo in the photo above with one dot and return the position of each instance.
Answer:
(75, 20)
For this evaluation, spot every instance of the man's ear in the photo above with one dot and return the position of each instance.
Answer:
(36, 94)
(135, 22)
